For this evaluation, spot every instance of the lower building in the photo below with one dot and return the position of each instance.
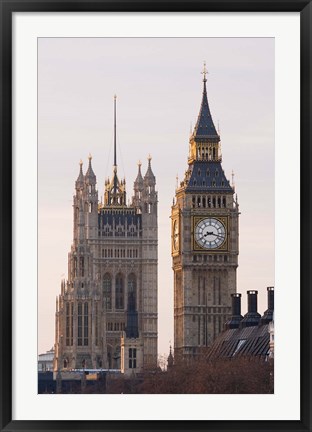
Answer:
(248, 335)
(45, 361)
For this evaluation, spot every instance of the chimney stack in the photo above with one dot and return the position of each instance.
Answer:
(236, 317)
(252, 317)
(268, 314)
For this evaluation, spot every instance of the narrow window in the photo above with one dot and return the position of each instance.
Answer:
(119, 298)
(81, 266)
(131, 292)
(79, 324)
(107, 291)
(96, 324)
(86, 324)
(132, 358)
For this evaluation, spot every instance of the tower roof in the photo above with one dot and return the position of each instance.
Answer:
(205, 127)
(80, 178)
(139, 179)
(90, 174)
(208, 176)
(149, 173)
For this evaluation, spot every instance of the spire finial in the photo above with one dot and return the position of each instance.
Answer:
(233, 184)
(149, 158)
(80, 163)
(204, 72)
(139, 164)
(90, 157)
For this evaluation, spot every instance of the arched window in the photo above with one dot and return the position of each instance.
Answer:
(132, 292)
(119, 298)
(107, 291)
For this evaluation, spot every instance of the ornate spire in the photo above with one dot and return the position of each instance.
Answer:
(170, 360)
(149, 173)
(139, 178)
(205, 127)
(80, 178)
(115, 190)
(90, 174)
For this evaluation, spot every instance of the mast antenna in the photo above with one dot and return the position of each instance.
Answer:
(115, 157)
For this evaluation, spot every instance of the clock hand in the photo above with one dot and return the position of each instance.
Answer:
(212, 233)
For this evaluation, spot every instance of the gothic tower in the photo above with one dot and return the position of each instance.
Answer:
(204, 233)
(106, 313)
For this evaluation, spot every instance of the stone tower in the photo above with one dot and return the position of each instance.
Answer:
(204, 234)
(108, 306)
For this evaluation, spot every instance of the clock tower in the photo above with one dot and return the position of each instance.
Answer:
(204, 234)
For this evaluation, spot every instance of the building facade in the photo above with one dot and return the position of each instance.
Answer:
(204, 234)
(110, 296)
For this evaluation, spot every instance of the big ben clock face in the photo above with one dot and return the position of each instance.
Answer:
(210, 233)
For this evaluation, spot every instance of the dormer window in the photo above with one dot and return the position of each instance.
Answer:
(217, 173)
(198, 172)
(208, 173)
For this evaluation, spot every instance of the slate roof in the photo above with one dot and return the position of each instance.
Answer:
(208, 176)
(205, 127)
(248, 341)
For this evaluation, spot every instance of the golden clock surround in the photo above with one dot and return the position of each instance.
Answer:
(225, 245)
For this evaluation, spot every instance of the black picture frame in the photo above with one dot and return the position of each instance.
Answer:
(7, 8)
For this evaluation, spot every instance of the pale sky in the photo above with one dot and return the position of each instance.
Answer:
(159, 88)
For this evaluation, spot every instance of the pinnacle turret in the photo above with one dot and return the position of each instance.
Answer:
(90, 176)
(138, 183)
(149, 175)
(80, 178)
